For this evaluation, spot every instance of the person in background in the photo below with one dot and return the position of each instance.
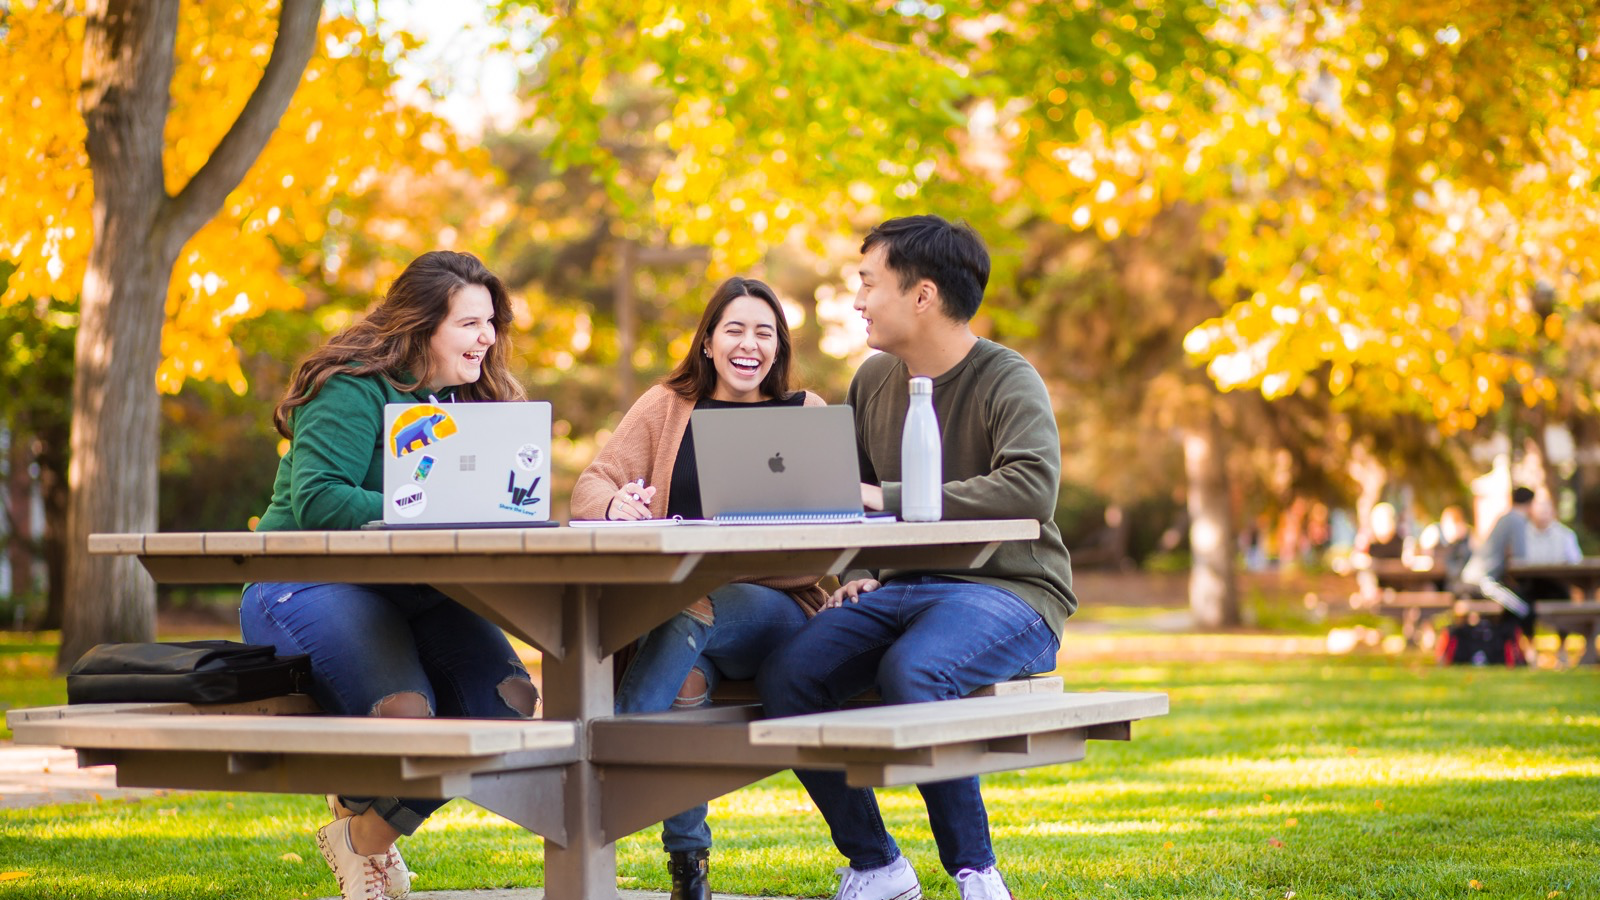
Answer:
(1448, 545)
(739, 359)
(1549, 541)
(1381, 547)
(403, 650)
(1485, 571)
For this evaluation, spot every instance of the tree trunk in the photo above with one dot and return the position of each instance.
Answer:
(138, 231)
(1213, 592)
(19, 516)
(57, 508)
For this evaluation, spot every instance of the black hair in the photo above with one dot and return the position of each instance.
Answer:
(951, 255)
(1521, 496)
(695, 377)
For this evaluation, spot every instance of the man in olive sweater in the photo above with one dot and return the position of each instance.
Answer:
(927, 634)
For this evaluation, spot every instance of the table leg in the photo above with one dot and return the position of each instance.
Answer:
(578, 686)
(1591, 638)
(1408, 625)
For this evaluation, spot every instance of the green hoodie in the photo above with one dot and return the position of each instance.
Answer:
(332, 477)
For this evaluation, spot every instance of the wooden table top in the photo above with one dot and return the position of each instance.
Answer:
(662, 539)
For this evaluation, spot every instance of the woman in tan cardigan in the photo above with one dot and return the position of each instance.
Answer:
(739, 359)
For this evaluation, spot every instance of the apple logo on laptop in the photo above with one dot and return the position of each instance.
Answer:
(776, 462)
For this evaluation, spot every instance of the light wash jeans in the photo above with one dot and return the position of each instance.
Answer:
(750, 621)
(371, 641)
(917, 638)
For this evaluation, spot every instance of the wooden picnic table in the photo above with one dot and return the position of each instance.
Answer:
(583, 778)
(1581, 617)
(1400, 576)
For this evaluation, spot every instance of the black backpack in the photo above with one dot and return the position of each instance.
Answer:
(186, 672)
(1486, 642)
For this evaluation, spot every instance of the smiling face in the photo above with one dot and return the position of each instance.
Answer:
(890, 311)
(457, 347)
(742, 347)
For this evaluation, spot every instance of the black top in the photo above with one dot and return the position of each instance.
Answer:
(1393, 548)
(685, 498)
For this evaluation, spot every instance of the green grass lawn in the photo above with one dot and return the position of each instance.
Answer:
(1325, 777)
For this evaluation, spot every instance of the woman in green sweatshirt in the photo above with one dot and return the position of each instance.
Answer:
(378, 649)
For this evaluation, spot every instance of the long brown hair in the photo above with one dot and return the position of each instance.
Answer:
(392, 341)
(695, 378)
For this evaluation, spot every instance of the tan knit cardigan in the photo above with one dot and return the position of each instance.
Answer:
(645, 445)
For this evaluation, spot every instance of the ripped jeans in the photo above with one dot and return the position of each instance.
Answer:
(750, 622)
(369, 642)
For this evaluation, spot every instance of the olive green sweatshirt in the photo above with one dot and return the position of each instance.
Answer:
(1002, 460)
(332, 477)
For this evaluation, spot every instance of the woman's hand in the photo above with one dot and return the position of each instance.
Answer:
(631, 501)
(851, 591)
(871, 497)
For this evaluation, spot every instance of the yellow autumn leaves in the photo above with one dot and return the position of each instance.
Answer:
(345, 138)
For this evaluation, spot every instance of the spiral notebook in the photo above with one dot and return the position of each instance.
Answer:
(777, 465)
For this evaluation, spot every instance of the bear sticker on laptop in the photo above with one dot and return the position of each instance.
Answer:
(419, 427)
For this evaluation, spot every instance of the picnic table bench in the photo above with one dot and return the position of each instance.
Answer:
(580, 777)
(1568, 617)
(1414, 610)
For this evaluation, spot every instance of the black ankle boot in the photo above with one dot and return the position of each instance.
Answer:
(689, 870)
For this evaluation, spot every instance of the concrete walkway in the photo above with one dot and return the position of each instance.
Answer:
(43, 776)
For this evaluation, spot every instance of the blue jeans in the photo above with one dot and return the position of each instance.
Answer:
(918, 638)
(750, 621)
(368, 642)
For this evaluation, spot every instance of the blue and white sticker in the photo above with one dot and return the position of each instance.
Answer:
(409, 501)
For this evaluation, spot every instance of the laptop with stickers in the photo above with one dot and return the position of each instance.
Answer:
(466, 465)
(777, 465)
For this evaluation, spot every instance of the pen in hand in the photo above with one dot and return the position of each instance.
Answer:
(635, 500)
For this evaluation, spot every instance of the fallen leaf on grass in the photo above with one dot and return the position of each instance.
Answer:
(1290, 823)
(1167, 846)
(291, 857)
(1553, 894)
(13, 876)
(1274, 843)
(1475, 884)
(1267, 797)
(1378, 804)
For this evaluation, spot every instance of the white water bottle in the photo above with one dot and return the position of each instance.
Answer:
(921, 458)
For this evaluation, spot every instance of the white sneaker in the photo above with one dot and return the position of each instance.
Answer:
(896, 881)
(983, 884)
(360, 877)
(399, 876)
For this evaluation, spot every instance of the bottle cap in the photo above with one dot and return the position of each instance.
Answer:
(921, 384)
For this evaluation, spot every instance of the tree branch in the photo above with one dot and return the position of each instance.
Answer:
(202, 197)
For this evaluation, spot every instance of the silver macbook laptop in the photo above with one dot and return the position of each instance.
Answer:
(777, 464)
(466, 465)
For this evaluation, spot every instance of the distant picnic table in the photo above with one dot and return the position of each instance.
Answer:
(1568, 616)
